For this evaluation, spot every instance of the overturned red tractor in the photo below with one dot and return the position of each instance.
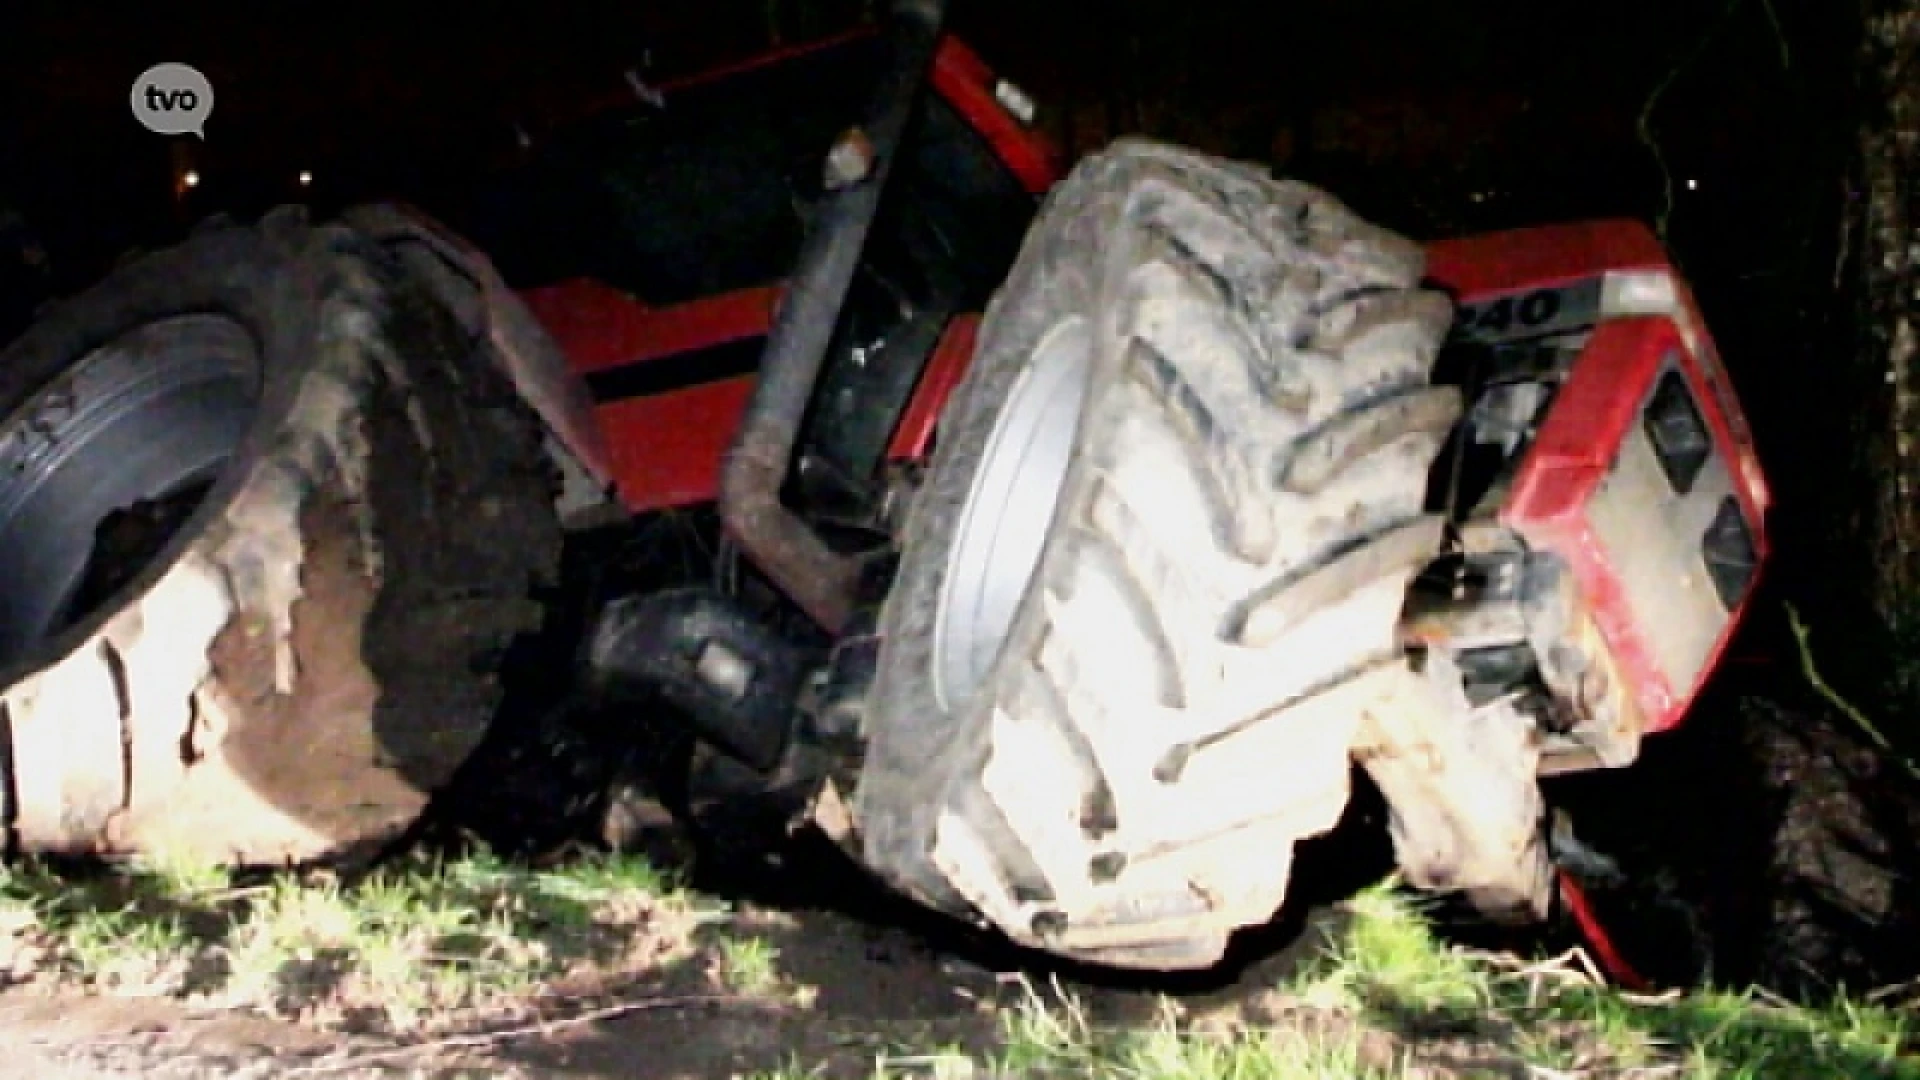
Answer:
(1113, 519)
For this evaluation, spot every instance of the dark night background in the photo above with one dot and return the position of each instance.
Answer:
(1434, 119)
(1731, 124)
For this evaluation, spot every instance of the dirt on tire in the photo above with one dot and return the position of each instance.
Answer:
(314, 648)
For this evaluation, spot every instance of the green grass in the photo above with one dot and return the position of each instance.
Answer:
(748, 965)
(1384, 999)
(411, 940)
(1056, 1040)
(126, 952)
(1381, 998)
(1387, 969)
(1385, 957)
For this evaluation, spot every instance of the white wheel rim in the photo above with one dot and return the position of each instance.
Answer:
(1009, 511)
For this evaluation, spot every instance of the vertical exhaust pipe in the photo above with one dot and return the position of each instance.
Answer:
(784, 547)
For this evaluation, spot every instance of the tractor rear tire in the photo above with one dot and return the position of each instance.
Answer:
(269, 518)
(1153, 577)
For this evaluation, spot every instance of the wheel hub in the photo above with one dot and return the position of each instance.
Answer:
(1009, 511)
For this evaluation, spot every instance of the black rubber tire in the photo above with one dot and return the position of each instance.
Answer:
(315, 649)
(1174, 704)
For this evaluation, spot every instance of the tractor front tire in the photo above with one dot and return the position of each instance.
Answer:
(269, 518)
(1153, 577)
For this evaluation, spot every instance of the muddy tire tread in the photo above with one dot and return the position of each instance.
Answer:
(1243, 324)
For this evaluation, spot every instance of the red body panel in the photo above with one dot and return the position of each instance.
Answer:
(668, 448)
(964, 80)
(665, 449)
(1480, 266)
(1571, 457)
(604, 328)
(945, 368)
(1590, 416)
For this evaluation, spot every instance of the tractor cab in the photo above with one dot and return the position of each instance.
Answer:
(652, 236)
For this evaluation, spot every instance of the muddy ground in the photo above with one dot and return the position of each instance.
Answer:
(1769, 842)
(851, 991)
(1790, 866)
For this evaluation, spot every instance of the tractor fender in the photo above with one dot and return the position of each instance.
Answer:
(466, 280)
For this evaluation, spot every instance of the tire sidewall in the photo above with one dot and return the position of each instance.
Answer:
(910, 735)
(271, 282)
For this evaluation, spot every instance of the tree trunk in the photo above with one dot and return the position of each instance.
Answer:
(1888, 234)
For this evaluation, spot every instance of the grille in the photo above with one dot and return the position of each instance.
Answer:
(1668, 523)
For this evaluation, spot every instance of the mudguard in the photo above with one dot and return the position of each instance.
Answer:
(467, 281)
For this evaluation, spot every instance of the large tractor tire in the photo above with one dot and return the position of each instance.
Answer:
(1152, 579)
(269, 519)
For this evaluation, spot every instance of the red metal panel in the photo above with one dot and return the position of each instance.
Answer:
(599, 327)
(1540, 257)
(602, 328)
(963, 79)
(1475, 268)
(1584, 428)
(1570, 457)
(945, 368)
(667, 448)
(1573, 454)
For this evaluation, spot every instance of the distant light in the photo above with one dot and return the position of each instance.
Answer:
(1692, 184)
(191, 179)
(306, 178)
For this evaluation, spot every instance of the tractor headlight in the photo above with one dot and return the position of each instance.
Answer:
(1728, 549)
(1678, 433)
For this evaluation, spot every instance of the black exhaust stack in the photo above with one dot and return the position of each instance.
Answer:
(735, 679)
(787, 549)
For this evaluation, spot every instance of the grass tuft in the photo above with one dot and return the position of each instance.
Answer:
(1055, 1039)
(748, 965)
(1386, 959)
(410, 941)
